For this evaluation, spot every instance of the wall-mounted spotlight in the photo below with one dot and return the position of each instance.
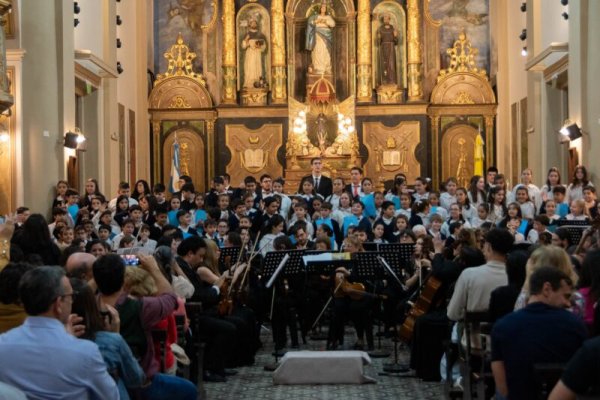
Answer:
(570, 131)
(523, 35)
(523, 7)
(524, 51)
(565, 15)
(119, 43)
(76, 22)
(73, 139)
(564, 2)
(119, 67)
(76, 8)
(119, 20)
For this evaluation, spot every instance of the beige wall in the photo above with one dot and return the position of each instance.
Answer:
(584, 87)
(46, 88)
(507, 23)
(132, 86)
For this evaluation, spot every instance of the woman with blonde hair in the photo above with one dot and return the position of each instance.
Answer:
(139, 283)
(548, 256)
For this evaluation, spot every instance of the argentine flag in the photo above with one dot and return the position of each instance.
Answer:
(174, 182)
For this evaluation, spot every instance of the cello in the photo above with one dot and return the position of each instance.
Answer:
(427, 294)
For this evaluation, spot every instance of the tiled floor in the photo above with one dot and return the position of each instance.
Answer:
(255, 383)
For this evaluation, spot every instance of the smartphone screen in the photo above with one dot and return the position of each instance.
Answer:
(2, 220)
(131, 260)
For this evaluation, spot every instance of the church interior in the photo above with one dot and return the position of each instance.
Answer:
(121, 90)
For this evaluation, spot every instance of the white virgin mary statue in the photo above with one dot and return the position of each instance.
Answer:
(319, 40)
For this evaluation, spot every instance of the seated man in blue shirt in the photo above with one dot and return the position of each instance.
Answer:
(542, 332)
(41, 357)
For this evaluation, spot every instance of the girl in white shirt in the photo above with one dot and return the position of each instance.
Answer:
(527, 207)
(272, 230)
(497, 201)
(552, 180)
(578, 211)
(580, 180)
(344, 209)
(467, 209)
(477, 190)
(483, 211)
(449, 196)
(338, 189)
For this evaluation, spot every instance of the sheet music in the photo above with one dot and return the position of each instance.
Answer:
(278, 270)
(385, 264)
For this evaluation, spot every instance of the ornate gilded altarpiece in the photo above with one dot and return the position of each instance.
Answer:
(181, 109)
(462, 115)
(267, 111)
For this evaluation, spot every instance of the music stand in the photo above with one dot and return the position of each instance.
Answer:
(370, 246)
(232, 252)
(575, 228)
(368, 266)
(292, 267)
(397, 255)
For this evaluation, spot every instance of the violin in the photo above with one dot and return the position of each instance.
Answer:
(225, 306)
(354, 290)
(228, 288)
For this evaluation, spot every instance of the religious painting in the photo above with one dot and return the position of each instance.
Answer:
(253, 34)
(190, 18)
(472, 16)
(389, 44)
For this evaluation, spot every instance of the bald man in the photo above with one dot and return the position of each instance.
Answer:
(79, 265)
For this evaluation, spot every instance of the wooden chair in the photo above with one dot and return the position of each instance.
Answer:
(160, 336)
(183, 371)
(195, 346)
(475, 361)
(546, 376)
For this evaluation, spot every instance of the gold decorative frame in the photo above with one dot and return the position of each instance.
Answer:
(253, 151)
(462, 91)
(392, 150)
(180, 94)
(8, 155)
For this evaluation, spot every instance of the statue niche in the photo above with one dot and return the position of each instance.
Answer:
(320, 44)
(253, 29)
(389, 52)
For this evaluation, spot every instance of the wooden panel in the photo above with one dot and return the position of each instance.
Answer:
(458, 149)
(7, 154)
(192, 156)
(514, 139)
(132, 148)
(392, 150)
(122, 142)
(524, 135)
(73, 172)
(253, 151)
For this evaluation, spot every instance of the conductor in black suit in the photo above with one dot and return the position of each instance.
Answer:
(323, 185)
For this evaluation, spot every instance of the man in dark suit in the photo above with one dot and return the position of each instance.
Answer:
(323, 185)
(355, 185)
